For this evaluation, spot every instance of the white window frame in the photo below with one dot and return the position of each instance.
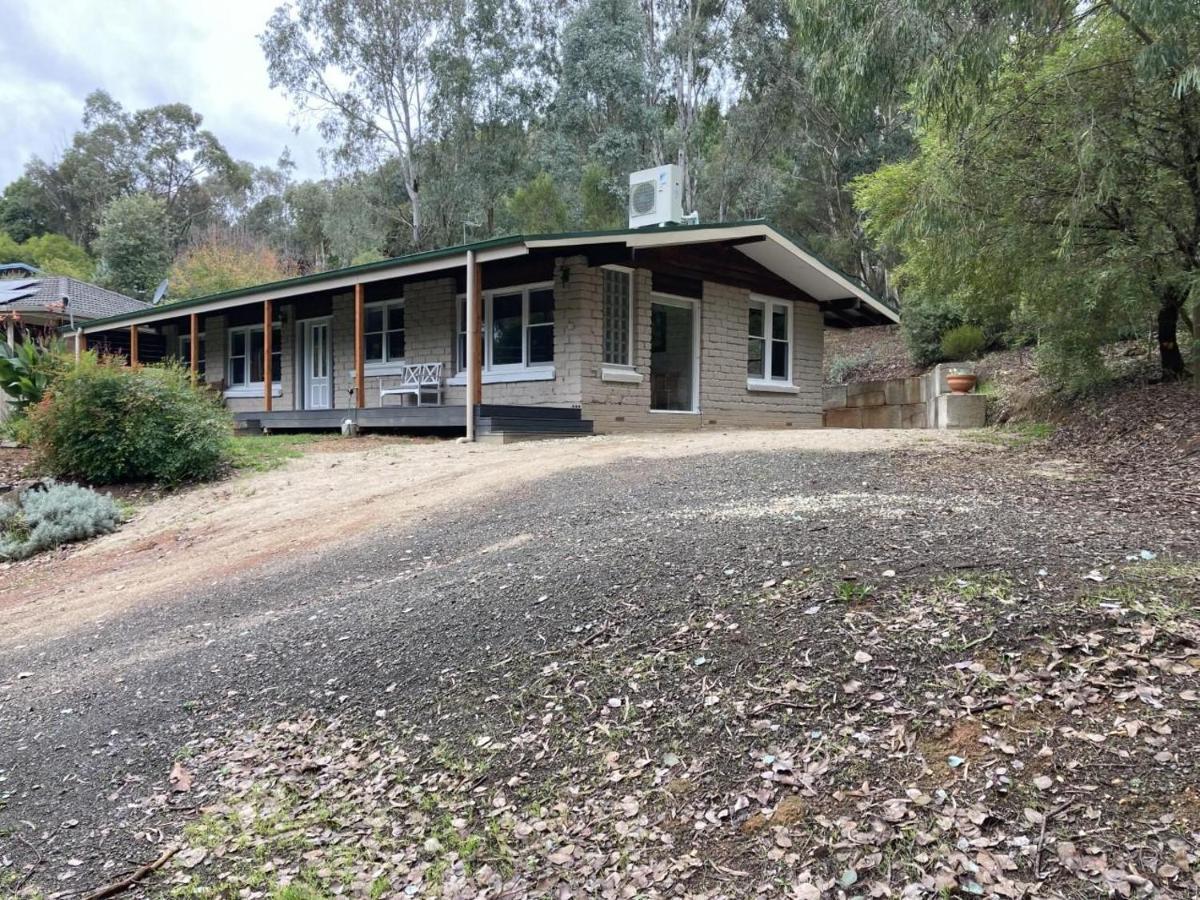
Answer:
(386, 365)
(185, 352)
(252, 388)
(492, 373)
(769, 305)
(627, 362)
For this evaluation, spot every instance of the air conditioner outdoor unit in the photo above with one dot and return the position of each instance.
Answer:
(656, 196)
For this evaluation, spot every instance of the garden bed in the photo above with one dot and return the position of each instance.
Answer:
(13, 463)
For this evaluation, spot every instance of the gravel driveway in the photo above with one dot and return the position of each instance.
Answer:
(93, 716)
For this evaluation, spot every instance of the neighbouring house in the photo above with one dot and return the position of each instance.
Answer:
(680, 326)
(33, 305)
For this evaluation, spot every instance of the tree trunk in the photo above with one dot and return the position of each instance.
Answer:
(1173, 368)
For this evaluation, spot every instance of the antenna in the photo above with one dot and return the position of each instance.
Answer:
(159, 292)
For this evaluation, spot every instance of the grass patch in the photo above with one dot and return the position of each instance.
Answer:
(264, 452)
(1161, 590)
(1021, 434)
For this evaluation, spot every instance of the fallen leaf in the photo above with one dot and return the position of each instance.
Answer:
(180, 778)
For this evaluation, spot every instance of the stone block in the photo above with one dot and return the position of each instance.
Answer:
(901, 391)
(914, 415)
(844, 418)
(913, 390)
(835, 396)
(866, 393)
(942, 370)
(893, 391)
(881, 417)
(961, 411)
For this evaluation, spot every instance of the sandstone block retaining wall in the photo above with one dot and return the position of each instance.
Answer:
(897, 403)
(921, 401)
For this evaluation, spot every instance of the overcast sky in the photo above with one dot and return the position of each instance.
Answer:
(53, 53)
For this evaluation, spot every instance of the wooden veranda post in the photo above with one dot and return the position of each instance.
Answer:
(360, 380)
(268, 336)
(194, 328)
(80, 344)
(133, 346)
(474, 344)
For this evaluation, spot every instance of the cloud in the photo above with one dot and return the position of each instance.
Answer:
(143, 52)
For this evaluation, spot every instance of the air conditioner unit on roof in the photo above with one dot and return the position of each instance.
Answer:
(656, 196)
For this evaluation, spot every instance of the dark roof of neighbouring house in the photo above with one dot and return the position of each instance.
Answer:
(780, 253)
(23, 289)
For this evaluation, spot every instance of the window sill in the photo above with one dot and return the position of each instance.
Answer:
(534, 374)
(249, 392)
(675, 412)
(622, 374)
(771, 387)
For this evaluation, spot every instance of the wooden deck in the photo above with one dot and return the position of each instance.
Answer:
(491, 420)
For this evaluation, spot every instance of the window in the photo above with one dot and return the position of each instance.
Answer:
(618, 317)
(518, 328)
(540, 328)
(246, 355)
(508, 340)
(460, 345)
(768, 356)
(383, 332)
(185, 353)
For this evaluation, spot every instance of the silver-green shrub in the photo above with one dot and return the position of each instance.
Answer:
(844, 368)
(58, 514)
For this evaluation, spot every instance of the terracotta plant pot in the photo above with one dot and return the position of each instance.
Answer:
(961, 382)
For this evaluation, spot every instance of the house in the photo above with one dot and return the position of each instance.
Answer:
(35, 304)
(677, 326)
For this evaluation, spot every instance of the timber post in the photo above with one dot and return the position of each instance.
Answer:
(360, 380)
(268, 338)
(474, 344)
(194, 343)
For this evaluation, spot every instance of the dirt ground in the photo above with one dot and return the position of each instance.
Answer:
(809, 664)
(338, 491)
(13, 461)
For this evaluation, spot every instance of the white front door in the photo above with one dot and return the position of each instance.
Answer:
(674, 355)
(318, 388)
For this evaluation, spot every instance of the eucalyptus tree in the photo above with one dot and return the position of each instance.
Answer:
(25, 210)
(687, 45)
(1111, 101)
(363, 68)
(603, 120)
(488, 89)
(134, 244)
(163, 151)
(787, 150)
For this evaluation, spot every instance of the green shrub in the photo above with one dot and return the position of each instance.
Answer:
(923, 322)
(963, 343)
(843, 368)
(28, 369)
(105, 423)
(59, 514)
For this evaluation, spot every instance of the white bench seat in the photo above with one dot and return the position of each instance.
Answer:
(417, 380)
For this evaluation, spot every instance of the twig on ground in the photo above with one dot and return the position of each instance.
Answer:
(1037, 858)
(133, 878)
(979, 640)
(29, 874)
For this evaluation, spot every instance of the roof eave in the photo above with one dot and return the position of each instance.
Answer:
(432, 261)
(338, 279)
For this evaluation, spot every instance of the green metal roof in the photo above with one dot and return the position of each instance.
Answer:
(316, 279)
